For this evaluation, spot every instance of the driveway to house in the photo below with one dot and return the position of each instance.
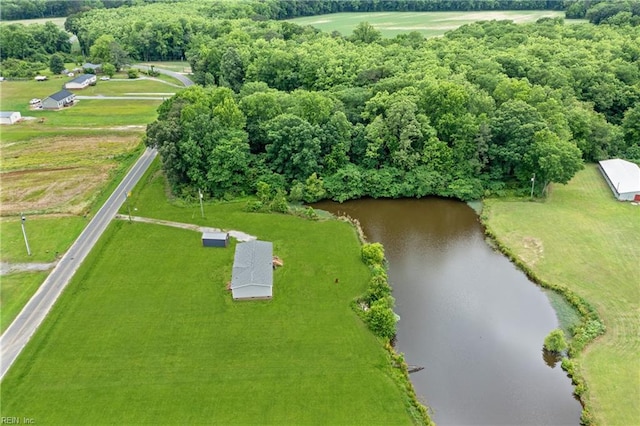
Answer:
(16, 336)
(140, 98)
(184, 79)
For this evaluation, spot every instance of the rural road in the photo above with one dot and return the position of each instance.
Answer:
(16, 336)
(184, 79)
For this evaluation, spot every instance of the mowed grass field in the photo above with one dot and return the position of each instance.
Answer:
(147, 333)
(588, 241)
(429, 24)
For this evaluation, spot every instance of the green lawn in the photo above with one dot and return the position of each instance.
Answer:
(429, 24)
(15, 291)
(147, 333)
(589, 242)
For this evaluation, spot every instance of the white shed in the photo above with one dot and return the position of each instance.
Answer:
(9, 117)
(252, 276)
(623, 178)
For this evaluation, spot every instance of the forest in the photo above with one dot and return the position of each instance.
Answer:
(478, 112)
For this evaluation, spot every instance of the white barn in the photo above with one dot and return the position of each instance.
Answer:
(252, 276)
(9, 117)
(81, 81)
(623, 178)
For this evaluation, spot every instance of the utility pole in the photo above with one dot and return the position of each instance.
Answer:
(533, 181)
(26, 242)
(201, 206)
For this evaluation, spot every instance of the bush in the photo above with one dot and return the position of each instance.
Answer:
(372, 254)
(555, 342)
(381, 319)
(378, 289)
(132, 73)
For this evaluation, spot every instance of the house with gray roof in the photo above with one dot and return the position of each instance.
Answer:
(252, 275)
(623, 177)
(81, 81)
(59, 100)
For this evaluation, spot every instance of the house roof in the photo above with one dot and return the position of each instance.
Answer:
(63, 94)
(91, 66)
(253, 264)
(8, 114)
(623, 175)
(82, 78)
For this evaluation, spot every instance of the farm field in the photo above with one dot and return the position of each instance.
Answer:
(429, 24)
(58, 21)
(146, 331)
(58, 166)
(587, 241)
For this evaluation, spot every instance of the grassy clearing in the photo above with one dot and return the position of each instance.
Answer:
(588, 242)
(429, 24)
(147, 333)
(58, 21)
(176, 66)
(15, 291)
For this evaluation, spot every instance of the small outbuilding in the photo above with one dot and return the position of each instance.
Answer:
(252, 276)
(215, 239)
(61, 99)
(9, 117)
(81, 82)
(623, 178)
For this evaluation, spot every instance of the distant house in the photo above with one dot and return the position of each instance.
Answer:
(81, 81)
(59, 100)
(215, 239)
(252, 276)
(40, 78)
(623, 178)
(9, 117)
(94, 68)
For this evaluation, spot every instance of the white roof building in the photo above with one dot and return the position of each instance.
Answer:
(623, 178)
(10, 117)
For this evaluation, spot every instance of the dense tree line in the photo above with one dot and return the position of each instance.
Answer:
(32, 9)
(478, 111)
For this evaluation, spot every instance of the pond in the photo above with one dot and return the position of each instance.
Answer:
(468, 316)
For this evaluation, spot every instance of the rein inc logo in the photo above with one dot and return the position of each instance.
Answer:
(17, 421)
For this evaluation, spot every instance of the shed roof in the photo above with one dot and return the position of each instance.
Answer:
(8, 114)
(215, 235)
(623, 175)
(89, 65)
(253, 264)
(63, 94)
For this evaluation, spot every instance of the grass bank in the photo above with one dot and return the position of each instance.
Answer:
(147, 333)
(429, 24)
(583, 239)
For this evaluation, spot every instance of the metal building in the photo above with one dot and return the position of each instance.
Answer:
(623, 178)
(252, 276)
(215, 239)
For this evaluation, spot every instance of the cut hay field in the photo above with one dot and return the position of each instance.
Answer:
(429, 24)
(588, 241)
(147, 333)
(58, 21)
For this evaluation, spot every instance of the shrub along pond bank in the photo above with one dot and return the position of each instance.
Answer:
(588, 244)
(589, 327)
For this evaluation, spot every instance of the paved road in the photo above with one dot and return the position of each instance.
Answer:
(184, 79)
(20, 331)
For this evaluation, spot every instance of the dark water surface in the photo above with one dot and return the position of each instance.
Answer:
(468, 316)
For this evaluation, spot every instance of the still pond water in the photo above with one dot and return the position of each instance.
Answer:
(468, 316)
